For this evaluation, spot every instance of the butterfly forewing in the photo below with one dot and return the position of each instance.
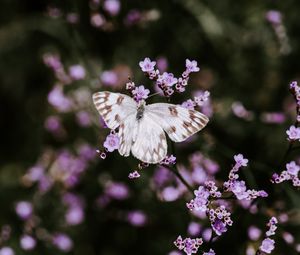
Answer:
(114, 107)
(179, 122)
(126, 135)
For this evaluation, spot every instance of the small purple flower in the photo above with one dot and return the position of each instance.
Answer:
(240, 160)
(62, 242)
(239, 189)
(194, 228)
(210, 252)
(189, 104)
(191, 66)
(112, 142)
(267, 245)
(53, 124)
(167, 79)
(147, 65)
(134, 175)
(6, 251)
(292, 168)
(117, 190)
(83, 118)
(27, 242)
(112, 7)
(77, 72)
(24, 210)
(140, 93)
(219, 227)
(293, 133)
(199, 203)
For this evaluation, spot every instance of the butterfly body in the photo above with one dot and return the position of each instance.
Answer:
(142, 127)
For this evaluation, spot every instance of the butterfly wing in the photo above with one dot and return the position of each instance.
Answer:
(114, 107)
(178, 122)
(149, 141)
(126, 131)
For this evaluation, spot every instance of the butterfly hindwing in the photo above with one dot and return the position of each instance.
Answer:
(126, 135)
(114, 107)
(149, 143)
(178, 122)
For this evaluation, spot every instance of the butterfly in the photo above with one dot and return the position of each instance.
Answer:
(141, 127)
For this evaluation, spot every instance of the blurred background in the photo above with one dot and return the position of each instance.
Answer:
(59, 197)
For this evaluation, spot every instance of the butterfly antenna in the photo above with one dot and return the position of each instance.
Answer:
(154, 94)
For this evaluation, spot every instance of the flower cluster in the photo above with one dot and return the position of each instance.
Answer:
(268, 244)
(188, 245)
(220, 219)
(202, 196)
(169, 160)
(199, 100)
(167, 82)
(291, 173)
(238, 187)
(293, 133)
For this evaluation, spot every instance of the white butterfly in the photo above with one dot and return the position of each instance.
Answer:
(142, 127)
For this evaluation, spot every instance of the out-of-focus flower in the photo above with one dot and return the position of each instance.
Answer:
(6, 251)
(98, 20)
(162, 64)
(273, 117)
(57, 99)
(194, 228)
(77, 72)
(83, 118)
(137, 218)
(27, 242)
(147, 65)
(109, 78)
(288, 237)
(267, 245)
(140, 93)
(112, 7)
(62, 242)
(117, 190)
(112, 142)
(191, 66)
(24, 209)
(74, 215)
(254, 233)
(274, 17)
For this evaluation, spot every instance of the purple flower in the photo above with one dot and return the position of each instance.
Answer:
(57, 99)
(53, 123)
(147, 65)
(6, 251)
(117, 190)
(194, 228)
(210, 252)
(109, 78)
(293, 133)
(240, 160)
(189, 104)
(239, 189)
(254, 233)
(274, 17)
(188, 245)
(74, 216)
(219, 227)
(292, 168)
(199, 203)
(202, 97)
(267, 245)
(137, 218)
(112, 7)
(62, 242)
(167, 79)
(140, 93)
(111, 142)
(191, 66)
(27, 242)
(77, 72)
(83, 118)
(24, 210)
(134, 175)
